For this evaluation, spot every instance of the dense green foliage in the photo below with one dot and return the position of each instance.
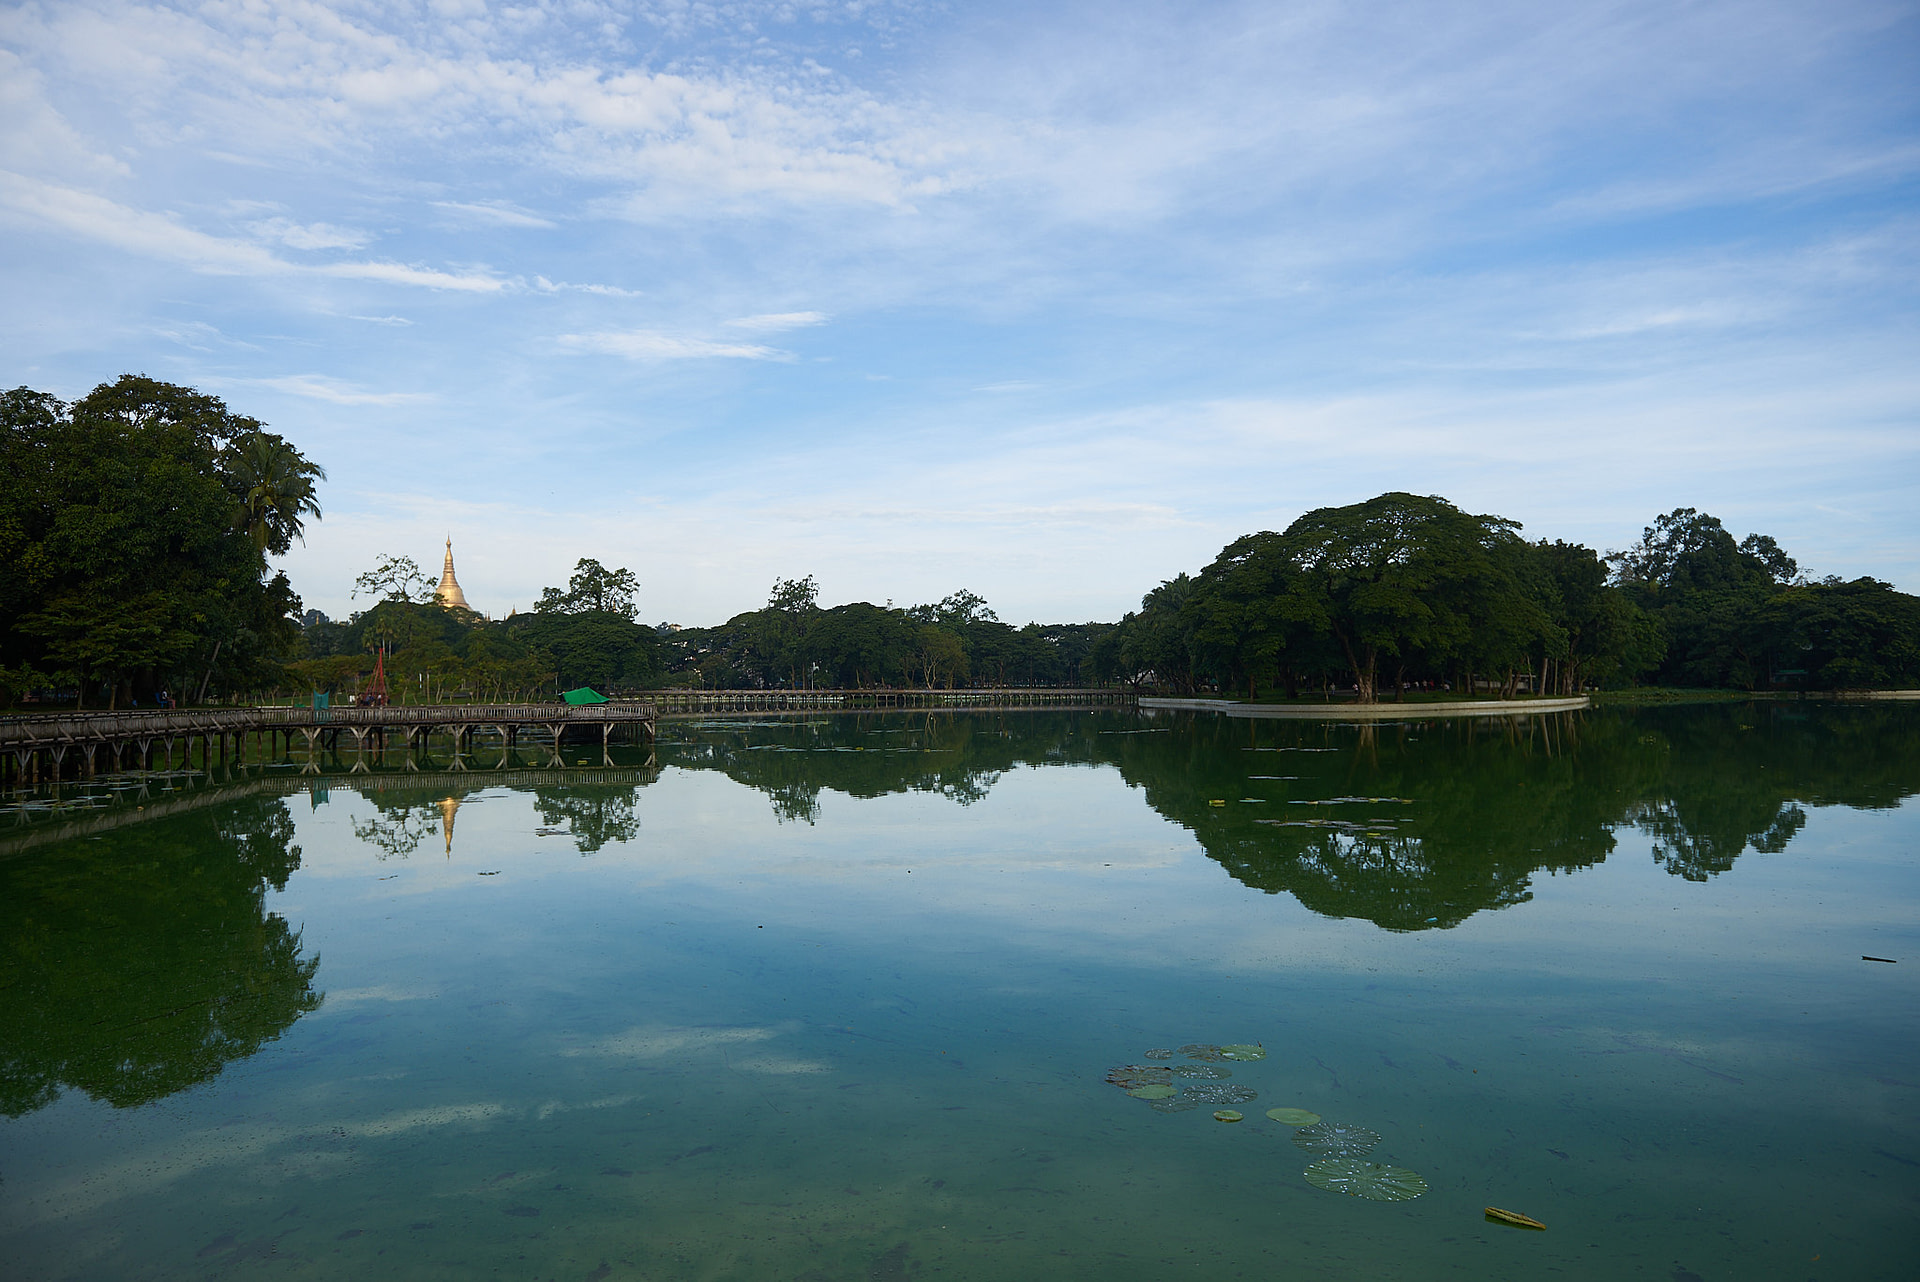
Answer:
(959, 641)
(1404, 591)
(1735, 614)
(584, 636)
(135, 526)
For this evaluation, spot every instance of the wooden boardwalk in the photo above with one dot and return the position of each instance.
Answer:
(684, 703)
(41, 748)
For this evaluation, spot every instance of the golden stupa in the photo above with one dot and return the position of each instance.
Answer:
(448, 594)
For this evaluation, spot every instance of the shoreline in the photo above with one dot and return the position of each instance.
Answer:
(1370, 711)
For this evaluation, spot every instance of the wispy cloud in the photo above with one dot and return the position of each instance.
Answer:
(160, 236)
(653, 345)
(310, 235)
(318, 387)
(495, 213)
(546, 286)
(775, 322)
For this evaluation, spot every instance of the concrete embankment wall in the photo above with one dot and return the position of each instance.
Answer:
(1371, 711)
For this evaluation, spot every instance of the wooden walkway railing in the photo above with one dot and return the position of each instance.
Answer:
(701, 702)
(39, 746)
(48, 746)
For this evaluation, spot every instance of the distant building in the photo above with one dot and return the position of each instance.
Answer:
(448, 594)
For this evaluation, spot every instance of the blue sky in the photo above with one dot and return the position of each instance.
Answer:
(1047, 302)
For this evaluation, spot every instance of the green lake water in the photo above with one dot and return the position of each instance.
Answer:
(837, 998)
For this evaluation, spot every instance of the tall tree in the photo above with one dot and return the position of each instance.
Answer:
(129, 563)
(593, 589)
(396, 578)
(277, 490)
(1405, 578)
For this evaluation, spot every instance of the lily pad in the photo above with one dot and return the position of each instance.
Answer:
(1293, 1116)
(1202, 1050)
(1370, 1180)
(1128, 1076)
(1227, 1115)
(1152, 1090)
(1241, 1051)
(1207, 1072)
(1160, 1052)
(1220, 1094)
(1336, 1139)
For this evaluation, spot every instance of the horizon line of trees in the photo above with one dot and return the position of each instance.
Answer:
(1407, 591)
(137, 526)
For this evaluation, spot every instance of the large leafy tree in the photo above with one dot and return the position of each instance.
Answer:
(1405, 580)
(396, 578)
(1709, 593)
(127, 526)
(592, 589)
(1602, 635)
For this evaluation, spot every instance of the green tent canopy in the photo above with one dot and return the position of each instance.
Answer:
(583, 695)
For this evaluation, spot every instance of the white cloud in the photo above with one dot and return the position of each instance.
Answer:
(775, 322)
(653, 345)
(96, 218)
(317, 387)
(546, 286)
(477, 281)
(497, 213)
(160, 236)
(310, 235)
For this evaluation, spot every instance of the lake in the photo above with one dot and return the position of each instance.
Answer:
(839, 998)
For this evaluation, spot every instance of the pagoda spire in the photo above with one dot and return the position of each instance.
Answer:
(448, 594)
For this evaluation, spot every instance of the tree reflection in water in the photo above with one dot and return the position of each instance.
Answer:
(1477, 807)
(143, 962)
(595, 814)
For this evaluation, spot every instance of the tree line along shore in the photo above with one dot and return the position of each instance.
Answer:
(139, 525)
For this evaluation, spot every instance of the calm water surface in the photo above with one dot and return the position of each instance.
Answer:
(836, 999)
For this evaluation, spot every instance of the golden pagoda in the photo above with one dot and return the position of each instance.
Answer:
(448, 594)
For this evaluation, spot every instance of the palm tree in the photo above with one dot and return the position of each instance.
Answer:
(276, 486)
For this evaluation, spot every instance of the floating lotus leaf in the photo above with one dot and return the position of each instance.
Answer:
(1207, 1072)
(1178, 1104)
(1293, 1116)
(1160, 1053)
(1128, 1076)
(1152, 1090)
(1336, 1139)
(1241, 1051)
(1227, 1115)
(1201, 1050)
(1370, 1180)
(1220, 1093)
